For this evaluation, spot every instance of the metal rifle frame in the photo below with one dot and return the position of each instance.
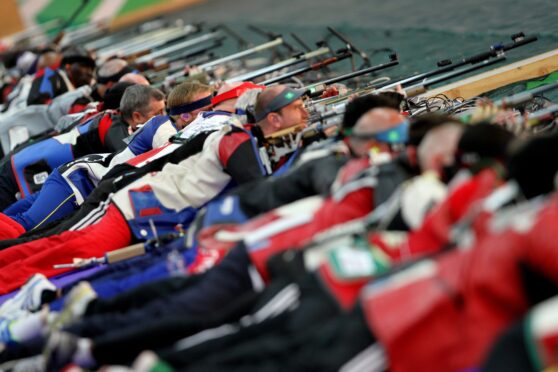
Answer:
(208, 66)
(520, 98)
(351, 46)
(126, 34)
(313, 67)
(143, 43)
(393, 62)
(278, 66)
(422, 87)
(447, 65)
(177, 47)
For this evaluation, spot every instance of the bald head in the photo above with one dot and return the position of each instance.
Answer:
(362, 140)
(377, 120)
(111, 67)
(48, 59)
(134, 79)
(225, 87)
(229, 104)
(438, 147)
(109, 74)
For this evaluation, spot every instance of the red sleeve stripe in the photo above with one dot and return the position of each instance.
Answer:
(104, 125)
(229, 144)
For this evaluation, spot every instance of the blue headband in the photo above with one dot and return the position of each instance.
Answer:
(189, 107)
(398, 134)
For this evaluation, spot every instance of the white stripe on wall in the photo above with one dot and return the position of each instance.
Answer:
(107, 9)
(29, 10)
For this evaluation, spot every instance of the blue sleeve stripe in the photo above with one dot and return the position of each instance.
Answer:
(143, 141)
(46, 85)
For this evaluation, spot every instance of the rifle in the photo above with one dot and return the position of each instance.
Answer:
(298, 59)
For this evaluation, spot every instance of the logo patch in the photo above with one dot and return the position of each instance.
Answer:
(40, 178)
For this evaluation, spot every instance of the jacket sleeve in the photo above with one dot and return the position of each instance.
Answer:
(239, 158)
(311, 178)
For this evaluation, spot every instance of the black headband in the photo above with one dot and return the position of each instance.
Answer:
(189, 107)
(114, 78)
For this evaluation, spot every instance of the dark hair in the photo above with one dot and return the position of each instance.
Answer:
(531, 163)
(361, 105)
(114, 94)
(396, 98)
(138, 98)
(486, 141)
(420, 125)
(77, 54)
